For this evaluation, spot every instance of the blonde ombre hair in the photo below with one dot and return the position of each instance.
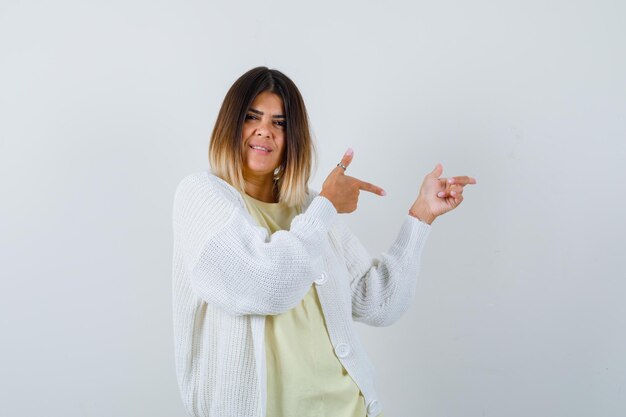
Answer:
(226, 148)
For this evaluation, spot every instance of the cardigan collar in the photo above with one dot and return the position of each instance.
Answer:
(311, 194)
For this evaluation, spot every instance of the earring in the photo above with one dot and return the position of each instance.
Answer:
(278, 172)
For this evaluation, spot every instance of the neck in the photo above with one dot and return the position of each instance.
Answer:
(261, 188)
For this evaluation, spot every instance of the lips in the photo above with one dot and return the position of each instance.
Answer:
(260, 148)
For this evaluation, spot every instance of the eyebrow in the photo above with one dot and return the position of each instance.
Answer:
(260, 113)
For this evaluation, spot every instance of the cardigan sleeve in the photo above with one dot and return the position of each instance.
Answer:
(383, 288)
(236, 265)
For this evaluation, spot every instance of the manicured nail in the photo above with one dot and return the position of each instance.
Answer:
(441, 194)
(383, 192)
(349, 152)
(453, 193)
(450, 180)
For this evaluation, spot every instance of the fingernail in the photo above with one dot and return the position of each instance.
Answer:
(349, 152)
(441, 194)
(453, 193)
(450, 180)
(383, 192)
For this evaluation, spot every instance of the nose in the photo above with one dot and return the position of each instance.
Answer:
(263, 131)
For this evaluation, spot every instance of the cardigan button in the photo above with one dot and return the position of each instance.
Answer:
(321, 280)
(373, 408)
(342, 350)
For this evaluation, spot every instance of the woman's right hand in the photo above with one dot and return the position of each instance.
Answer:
(343, 190)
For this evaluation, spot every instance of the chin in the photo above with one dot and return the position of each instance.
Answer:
(260, 169)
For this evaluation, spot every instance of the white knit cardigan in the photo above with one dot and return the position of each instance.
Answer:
(229, 273)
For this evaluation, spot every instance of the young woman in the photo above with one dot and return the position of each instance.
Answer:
(268, 280)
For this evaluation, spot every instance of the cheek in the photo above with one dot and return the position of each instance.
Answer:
(246, 132)
(282, 145)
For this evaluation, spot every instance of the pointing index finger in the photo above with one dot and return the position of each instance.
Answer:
(366, 186)
(464, 180)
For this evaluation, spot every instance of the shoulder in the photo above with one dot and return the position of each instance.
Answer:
(206, 184)
(203, 198)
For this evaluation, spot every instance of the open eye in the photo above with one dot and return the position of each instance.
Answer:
(281, 123)
(251, 117)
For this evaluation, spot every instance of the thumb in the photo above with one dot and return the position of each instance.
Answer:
(347, 159)
(436, 173)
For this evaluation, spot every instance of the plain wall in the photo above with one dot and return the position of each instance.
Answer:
(105, 106)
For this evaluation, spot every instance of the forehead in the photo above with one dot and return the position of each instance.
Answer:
(268, 102)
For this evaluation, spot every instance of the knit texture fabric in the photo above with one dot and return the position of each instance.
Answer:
(305, 378)
(229, 273)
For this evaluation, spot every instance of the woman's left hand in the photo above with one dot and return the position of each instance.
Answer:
(439, 195)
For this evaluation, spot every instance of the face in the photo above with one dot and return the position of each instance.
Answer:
(264, 135)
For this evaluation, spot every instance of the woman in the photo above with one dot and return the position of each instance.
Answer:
(268, 279)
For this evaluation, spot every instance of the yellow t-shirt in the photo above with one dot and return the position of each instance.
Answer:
(304, 376)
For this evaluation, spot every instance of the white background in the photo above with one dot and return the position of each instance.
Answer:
(105, 106)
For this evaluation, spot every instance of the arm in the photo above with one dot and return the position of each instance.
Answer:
(233, 263)
(384, 287)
